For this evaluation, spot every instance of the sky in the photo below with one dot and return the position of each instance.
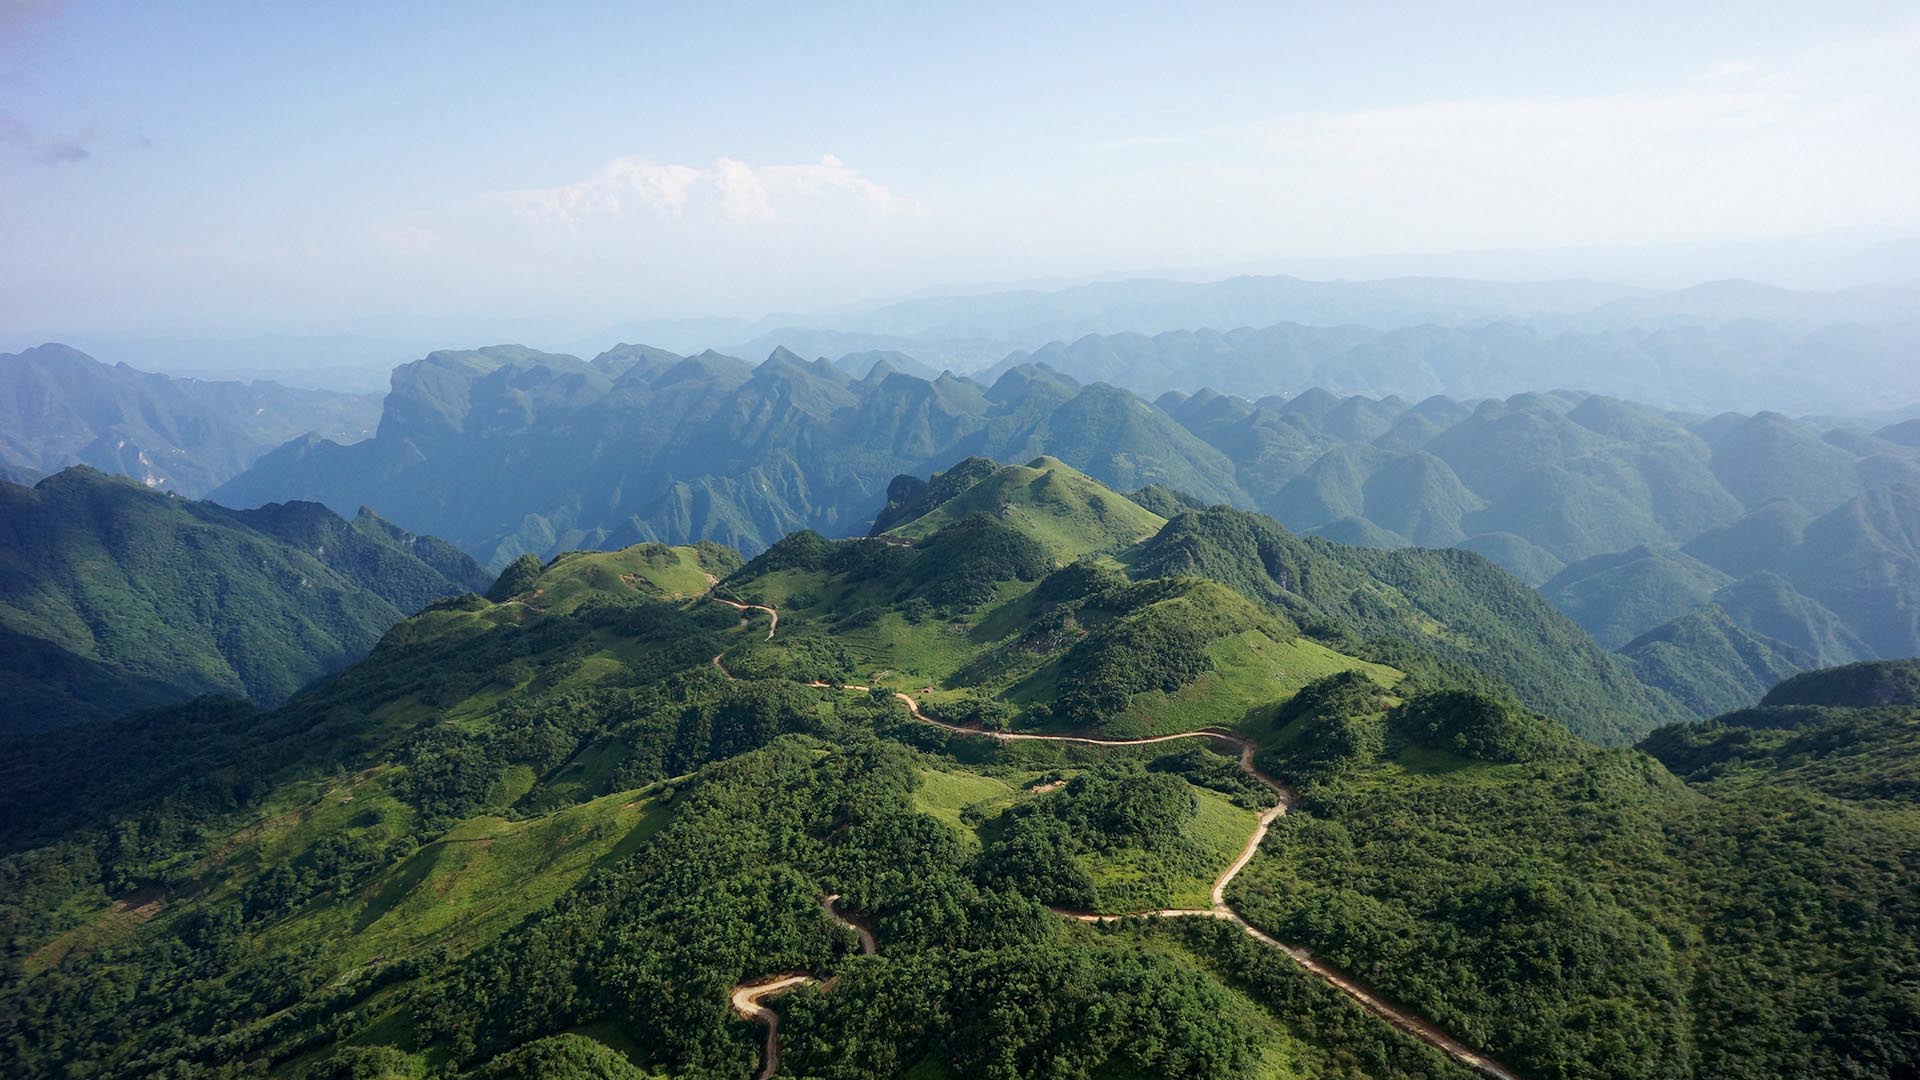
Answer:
(255, 168)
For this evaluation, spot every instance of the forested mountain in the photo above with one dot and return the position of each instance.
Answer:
(1803, 543)
(1628, 517)
(1870, 684)
(61, 407)
(1743, 365)
(115, 597)
(558, 830)
(506, 450)
(1444, 844)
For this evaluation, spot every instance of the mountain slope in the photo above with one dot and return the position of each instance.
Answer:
(131, 597)
(673, 450)
(1068, 512)
(1442, 873)
(564, 828)
(1452, 604)
(1616, 598)
(1797, 536)
(1867, 685)
(1710, 663)
(61, 407)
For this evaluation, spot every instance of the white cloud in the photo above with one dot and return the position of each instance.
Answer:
(728, 192)
(649, 233)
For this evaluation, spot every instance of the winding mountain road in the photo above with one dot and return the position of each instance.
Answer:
(747, 996)
(772, 615)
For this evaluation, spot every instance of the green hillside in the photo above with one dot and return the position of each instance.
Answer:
(1453, 607)
(120, 597)
(652, 570)
(1070, 513)
(1709, 663)
(557, 832)
(1567, 904)
(1616, 598)
(1871, 684)
(1850, 733)
(420, 851)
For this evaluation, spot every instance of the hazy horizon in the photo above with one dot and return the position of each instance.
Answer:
(490, 174)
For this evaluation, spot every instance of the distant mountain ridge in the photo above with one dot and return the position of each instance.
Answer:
(1801, 540)
(1626, 516)
(969, 331)
(61, 407)
(1742, 364)
(653, 446)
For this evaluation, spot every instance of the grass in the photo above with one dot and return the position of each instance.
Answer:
(891, 651)
(473, 883)
(1420, 761)
(1068, 512)
(1139, 880)
(1252, 675)
(945, 794)
(488, 873)
(100, 927)
(654, 570)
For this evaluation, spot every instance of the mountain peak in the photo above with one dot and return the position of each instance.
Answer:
(1068, 512)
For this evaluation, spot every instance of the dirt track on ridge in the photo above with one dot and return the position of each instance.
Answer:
(747, 996)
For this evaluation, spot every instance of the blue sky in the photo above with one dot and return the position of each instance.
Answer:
(228, 168)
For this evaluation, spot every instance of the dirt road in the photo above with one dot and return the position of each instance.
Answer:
(1285, 797)
(747, 997)
(772, 615)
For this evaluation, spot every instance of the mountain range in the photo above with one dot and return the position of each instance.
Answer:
(1628, 517)
(61, 407)
(1033, 779)
(506, 450)
(1802, 542)
(971, 330)
(1744, 365)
